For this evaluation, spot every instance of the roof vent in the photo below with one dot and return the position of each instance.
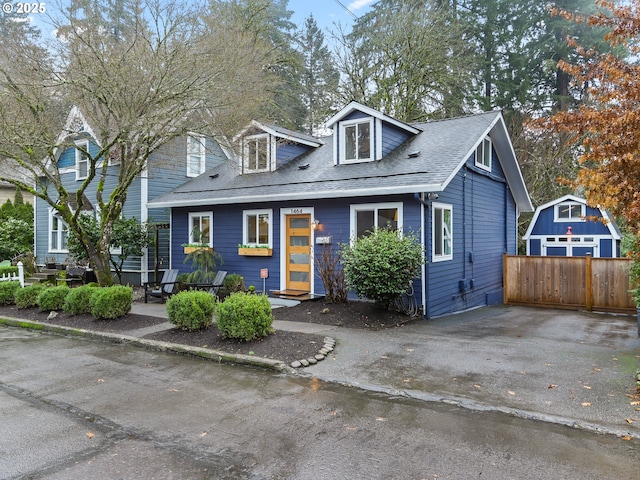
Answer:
(414, 154)
(214, 175)
(303, 167)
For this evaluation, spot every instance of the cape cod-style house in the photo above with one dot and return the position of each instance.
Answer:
(168, 167)
(568, 227)
(456, 183)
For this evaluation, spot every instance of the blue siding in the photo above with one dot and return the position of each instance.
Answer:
(484, 226)
(392, 138)
(334, 217)
(545, 224)
(287, 152)
(535, 247)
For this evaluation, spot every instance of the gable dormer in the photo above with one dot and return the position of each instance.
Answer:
(265, 147)
(362, 134)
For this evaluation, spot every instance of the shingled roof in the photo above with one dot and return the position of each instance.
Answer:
(426, 162)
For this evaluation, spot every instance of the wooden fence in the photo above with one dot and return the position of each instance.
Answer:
(17, 277)
(575, 283)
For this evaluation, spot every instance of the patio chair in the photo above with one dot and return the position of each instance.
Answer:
(217, 283)
(164, 289)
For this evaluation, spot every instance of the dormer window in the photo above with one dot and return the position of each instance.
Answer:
(357, 140)
(483, 155)
(256, 153)
(82, 160)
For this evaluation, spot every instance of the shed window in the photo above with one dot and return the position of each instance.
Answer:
(442, 232)
(570, 212)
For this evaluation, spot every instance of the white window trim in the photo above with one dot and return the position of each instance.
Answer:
(55, 248)
(581, 218)
(200, 139)
(480, 151)
(343, 143)
(84, 144)
(245, 152)
(355, 208)
(245, 232)
(440, 258)
(201, 214)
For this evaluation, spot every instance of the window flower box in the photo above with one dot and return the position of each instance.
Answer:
(255, 251)
(190, 249)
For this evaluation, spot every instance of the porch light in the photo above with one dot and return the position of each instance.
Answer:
(315, 224)
(569, 230)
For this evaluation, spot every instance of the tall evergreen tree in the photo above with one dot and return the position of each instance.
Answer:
(319, 77)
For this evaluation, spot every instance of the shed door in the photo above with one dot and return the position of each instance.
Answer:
(298, 251)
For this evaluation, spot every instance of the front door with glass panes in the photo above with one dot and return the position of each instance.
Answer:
(298, 251)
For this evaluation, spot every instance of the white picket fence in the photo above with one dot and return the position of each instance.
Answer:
(8, 277)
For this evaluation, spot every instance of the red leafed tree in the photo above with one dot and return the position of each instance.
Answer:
(606, 125)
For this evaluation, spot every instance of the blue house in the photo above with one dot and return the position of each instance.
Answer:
(456, 183)
(568, 227)
(168, 167)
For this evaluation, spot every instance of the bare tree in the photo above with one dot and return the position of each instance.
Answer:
(142, 73)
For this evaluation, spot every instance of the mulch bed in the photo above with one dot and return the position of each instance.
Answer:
(282, 345)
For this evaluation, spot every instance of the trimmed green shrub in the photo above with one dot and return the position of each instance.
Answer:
(7, 292)
(8, 270)
(52, 298)
(78, 301)
(191, 309)
(380, 266)
(234, 282)
(111, 302)
(27, 297)
(244, 316)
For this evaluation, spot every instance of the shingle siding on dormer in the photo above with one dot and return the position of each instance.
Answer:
(289, 151)
(392, 138)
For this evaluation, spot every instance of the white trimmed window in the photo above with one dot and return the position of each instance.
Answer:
(201, 228)
(196, 155)
(570, 212)
(257, 228)
(256, 153)
(58, 233)
(365, 218)
(483, 154)
(82, 159)
(442, 235)
(357, 140)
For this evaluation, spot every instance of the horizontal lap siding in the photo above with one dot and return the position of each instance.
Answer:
(484, 228)
(333, 215)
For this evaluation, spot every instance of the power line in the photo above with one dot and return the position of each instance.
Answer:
(347, 9)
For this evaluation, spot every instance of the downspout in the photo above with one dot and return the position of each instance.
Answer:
(423, 203)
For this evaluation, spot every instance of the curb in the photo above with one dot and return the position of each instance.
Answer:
(282, 367)
(205, 353)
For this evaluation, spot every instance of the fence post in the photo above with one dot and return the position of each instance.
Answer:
(588, 283)
(21, 273)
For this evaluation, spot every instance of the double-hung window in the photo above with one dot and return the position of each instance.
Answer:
(82, 160)
(483, 154)
(58, 233)
(196, 155)
(201, 228)
(442, 234)
(256, 153)
(366, 218)
(257, 227)
(357, 140)
(570, 212)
